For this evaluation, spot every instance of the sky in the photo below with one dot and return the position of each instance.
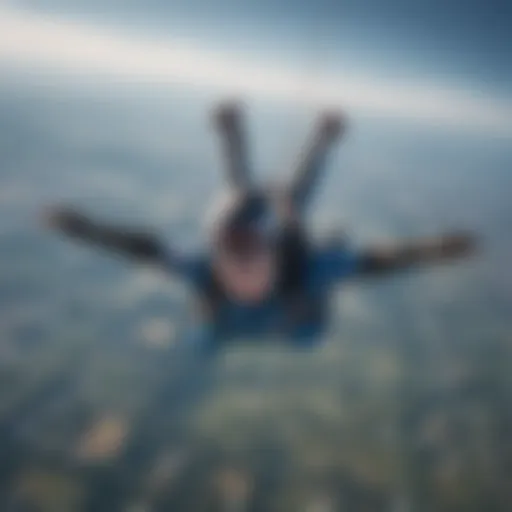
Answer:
(436, 61)
(150, 158)
(469, 40)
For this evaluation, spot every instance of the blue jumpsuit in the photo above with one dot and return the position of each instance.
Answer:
(325, 267)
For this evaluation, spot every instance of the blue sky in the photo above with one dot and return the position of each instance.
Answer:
(438, 60)
(466, 41)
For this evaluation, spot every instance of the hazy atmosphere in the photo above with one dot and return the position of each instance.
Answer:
(406, 406)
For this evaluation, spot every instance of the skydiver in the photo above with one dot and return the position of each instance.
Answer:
(261, 275)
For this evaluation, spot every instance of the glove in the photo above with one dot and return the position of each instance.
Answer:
(67, 220)
(456, 245)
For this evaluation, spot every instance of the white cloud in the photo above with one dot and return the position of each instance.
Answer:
(29, 39)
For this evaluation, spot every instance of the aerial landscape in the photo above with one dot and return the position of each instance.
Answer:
(405, 406)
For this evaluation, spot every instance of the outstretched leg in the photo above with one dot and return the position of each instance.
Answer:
(228, 121)
(383, 260)
(312, 161)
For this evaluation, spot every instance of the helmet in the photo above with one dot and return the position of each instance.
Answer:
(241, 219)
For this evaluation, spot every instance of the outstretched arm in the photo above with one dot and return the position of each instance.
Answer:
(384, 260)
(137, 245)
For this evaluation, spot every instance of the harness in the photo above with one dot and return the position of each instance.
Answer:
(293, 254)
